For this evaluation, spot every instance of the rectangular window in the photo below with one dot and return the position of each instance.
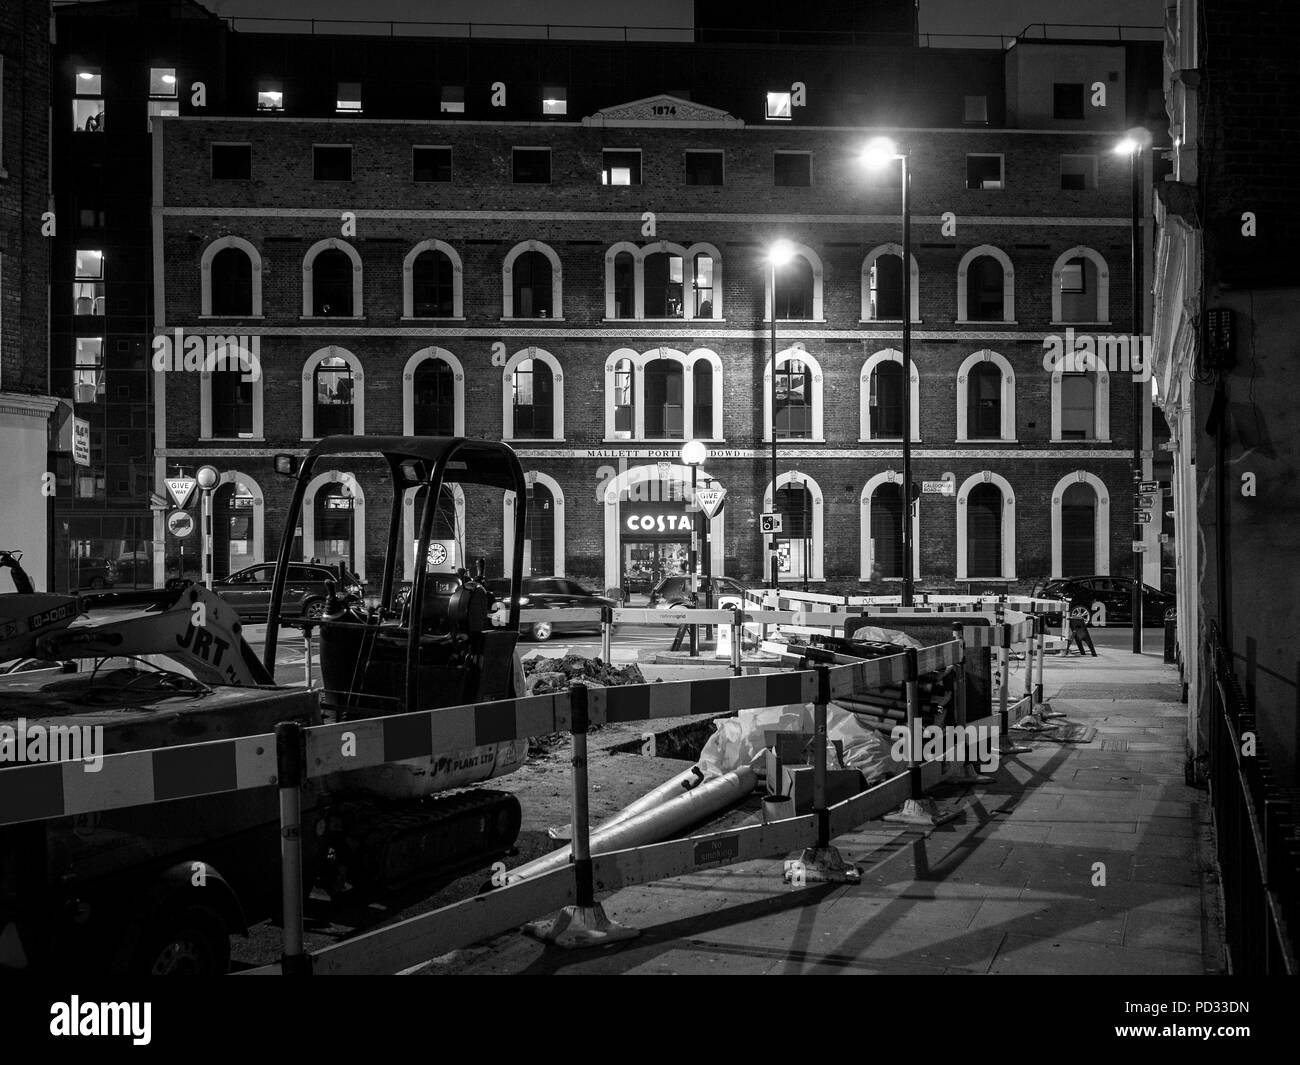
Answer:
(984, 172)
(348, 100)
(621, 166)
(1067, 100)
(88, 286)
(704, 168)
(161, 109)
(555, 100)
(792, 169)
(88, 115)
(270, 96)
(531, 166)
(453, 100)
(976, 109)
(1072, 277)
(432, 164)
(162, 82)
(1078, 172)
(232, 162)
(89, 82)
(778, 106)
(88, 374)
(332, 162)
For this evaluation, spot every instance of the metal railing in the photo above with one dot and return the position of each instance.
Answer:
(1257, 838)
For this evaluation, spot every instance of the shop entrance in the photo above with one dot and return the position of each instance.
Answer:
(646, 561)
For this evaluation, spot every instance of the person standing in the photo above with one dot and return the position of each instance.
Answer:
(1079, 616)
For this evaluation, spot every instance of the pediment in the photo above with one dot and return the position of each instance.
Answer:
(662, 110)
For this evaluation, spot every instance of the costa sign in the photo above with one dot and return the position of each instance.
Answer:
(658, 523)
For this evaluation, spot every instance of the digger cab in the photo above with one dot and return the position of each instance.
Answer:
(429, 638)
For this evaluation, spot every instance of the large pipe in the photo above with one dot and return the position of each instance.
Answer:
(671, 788)
(651, 826)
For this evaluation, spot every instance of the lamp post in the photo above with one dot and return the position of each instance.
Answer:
(207, 478)
(880, 151)
(780, 253)
(693, 455)
(1132, 145)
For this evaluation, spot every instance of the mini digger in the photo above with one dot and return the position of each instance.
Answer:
(116, 891)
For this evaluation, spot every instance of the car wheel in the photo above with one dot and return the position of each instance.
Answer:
(97, 582)
(191, 942)
(314, 609)
(541, 631)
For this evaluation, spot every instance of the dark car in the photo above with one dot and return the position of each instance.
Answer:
(305, 589)
(551, 593)
(96, 572)
(1114, 594)
(673, 591)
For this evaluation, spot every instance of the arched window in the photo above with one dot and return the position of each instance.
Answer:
(332, 403)
(1080, 287)
(1078, 530)
(434, 399)
(233, 394)
(664, 392)
(624, 285)
(703, 284)
(798, 548)
(233, 542)
(986, 398)
(795, 286)
(533, 401)
(985, 286)
(984, 532)
(531, 286)
(232, 283)
(702, 420)
(624, 399)
(886, 401)
(230, 274)
(984, 290)
(663, 286)
(448, 526)
(335, 529)
(984, 402)
(887, 528)
(433, 285)
(882, 285)
(794, 399)
(1078, 407)
(331, 286)
(986, 528)
(539, 532)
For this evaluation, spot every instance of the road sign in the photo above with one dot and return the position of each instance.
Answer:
(1138, 547)
(1145, 501)
(710, 500)
(1149, 486)
(770, 523)
(1142, 517)
(180, 523)
(938, 488)
(180, 489)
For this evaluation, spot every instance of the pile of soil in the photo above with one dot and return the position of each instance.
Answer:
(545, 675)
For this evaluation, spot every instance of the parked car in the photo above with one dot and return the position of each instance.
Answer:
(1115, 594)
(548, 593)
(305, 590)
(674, 591)
(94, 572)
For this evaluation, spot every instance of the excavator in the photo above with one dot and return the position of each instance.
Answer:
(116, 892)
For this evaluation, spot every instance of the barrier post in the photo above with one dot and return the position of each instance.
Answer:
(307, 650)
(965, 773)
(606, 632)
(290, 754)
(822, 863)
(737, 636)
(1031, 643)
(917, 809)
(1004, 644)
(1041, 622)
(584, 923)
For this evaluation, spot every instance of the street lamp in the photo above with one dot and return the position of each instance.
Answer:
(1135, 140)
(780, 253)
(694, 454)
(879, 152)
(207, 478)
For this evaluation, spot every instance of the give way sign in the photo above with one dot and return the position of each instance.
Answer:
(710, 500)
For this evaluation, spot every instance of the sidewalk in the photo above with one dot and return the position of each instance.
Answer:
(1013, 885)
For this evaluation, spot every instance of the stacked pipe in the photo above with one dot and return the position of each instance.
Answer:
(886, 707)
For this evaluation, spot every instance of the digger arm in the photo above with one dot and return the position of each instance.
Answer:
(194, 627)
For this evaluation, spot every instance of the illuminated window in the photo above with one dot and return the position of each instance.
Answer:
(333, 397)
(984, 172)
(624, 400)
(270, 96)
(349, 97)
(88, 288)
(88, 107)
(794, 399)
(162, 81)
(555, 100)
(532, 388)
(88, 374)
(453, 100)
(778, 106)
(622, 166)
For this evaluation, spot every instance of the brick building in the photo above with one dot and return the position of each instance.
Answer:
(563, 244)
(26, 409)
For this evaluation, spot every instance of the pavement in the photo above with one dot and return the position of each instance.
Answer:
(1083, 858)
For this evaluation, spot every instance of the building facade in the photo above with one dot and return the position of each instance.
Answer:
(27, 411)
